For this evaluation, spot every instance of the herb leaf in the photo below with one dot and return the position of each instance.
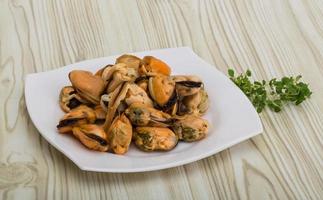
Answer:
(275, 94)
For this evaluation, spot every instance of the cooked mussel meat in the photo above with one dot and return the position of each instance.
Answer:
(92, 136)
(187, 85)
(100, 114)
(155, 138)
(77, 116)
(69, 99)
(152, 66)
(196, 103)
(118, 74)
(143, 115)
(120, 134)
(190, 128)
(130, 61)
(89, 86)
(204, 102)
(136, 94)
(123, 96)
(133, 100)
(162, 91)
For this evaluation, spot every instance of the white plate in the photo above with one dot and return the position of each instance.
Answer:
(231, 115)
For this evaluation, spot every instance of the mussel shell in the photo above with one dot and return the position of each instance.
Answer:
(190, 84)
(67, 122)
(74, 102)
(100, 140)
(187, 88)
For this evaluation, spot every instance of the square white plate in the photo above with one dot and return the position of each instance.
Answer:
(231, 115)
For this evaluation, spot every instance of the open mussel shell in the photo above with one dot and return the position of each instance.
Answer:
(77, 116)
(120, 134)
(69, 99)
(143, 115)
(92, 136)
(190, 128)
(130, 61)
(155, 138)
(89, 86)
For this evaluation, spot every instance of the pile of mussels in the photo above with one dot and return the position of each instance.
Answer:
(133, 100)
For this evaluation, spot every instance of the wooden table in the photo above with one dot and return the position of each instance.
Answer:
(273, 38)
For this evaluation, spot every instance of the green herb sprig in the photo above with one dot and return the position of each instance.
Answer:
(274, 94)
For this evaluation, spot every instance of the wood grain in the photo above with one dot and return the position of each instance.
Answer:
(270, 37)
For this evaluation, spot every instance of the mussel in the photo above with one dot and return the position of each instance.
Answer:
(197, 103)
(122, 96)
(152, 66)
(155, 138)
(187, 85)
(162, 91)
(130, 61)
(77, 116)
(190, 128)
(69, 99)
(118, 74)
(143, 115)
(120, 134)
(136, 94)
(92, 136)
(100, 114)
(89, 86)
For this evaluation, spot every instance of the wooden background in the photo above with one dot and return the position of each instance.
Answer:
(271, 37)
